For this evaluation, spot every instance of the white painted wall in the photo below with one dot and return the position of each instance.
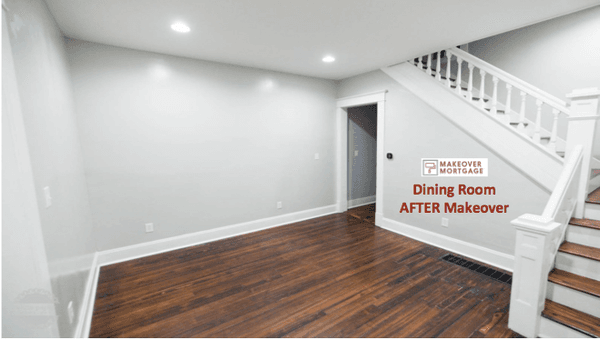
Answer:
(362, 138)
(24, 261)
(191, 145)
(413, 131)
(44, 87)
(557, 55)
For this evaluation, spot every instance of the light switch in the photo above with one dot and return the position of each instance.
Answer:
(316, 156)
(355, 153)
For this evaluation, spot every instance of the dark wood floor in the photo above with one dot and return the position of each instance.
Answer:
(334, 276)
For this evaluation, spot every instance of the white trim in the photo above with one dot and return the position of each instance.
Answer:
(357, 202)
(362, 99)
(160, 246)
(86, 311)
(588, 117)
(380, 159)
(342, 144)
(474, 251)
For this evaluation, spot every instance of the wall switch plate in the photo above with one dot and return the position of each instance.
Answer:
(316, 156)
(47, 197)
(444, 222)
(279, 205)
(355, 153)
(71, 312)
(149, 227)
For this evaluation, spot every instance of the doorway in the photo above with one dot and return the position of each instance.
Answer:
(344, 105)
(362, 155)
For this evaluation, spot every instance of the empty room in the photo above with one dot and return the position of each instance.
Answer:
(331, 168)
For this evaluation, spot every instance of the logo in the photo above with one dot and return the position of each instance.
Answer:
(429, 167)
(454, 167)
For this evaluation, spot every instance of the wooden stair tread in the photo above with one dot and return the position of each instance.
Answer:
(580, 250)
(594, 197)
(573, 281)
(572, 318)
(584, 222)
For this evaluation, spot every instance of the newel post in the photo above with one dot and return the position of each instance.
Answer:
(582, 128)
(533, 253)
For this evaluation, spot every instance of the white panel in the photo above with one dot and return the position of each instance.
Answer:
(592, 211)
(582, 235)
(578, 265)
(551, 329)
(573, 298)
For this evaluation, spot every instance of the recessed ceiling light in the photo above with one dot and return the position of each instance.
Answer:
(179, 27)
(329, 59)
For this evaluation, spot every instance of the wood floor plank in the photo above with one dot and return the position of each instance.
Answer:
(334, 276)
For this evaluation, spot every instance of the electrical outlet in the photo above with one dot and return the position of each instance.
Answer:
(316, 156)
(279, 205)
(355, 153)
(149, 227)
(71, 312)
(444, 222)
(48, 197)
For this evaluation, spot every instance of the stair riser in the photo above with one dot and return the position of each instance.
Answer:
(592, 211)
(551, 329)
(575, 299)
(578, 265)
(582, 235)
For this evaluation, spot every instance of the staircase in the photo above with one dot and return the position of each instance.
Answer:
(572, 305)
(556, 278)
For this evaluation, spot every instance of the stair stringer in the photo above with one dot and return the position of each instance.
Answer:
(529, 159)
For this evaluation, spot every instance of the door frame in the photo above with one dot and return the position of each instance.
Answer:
(343, 104)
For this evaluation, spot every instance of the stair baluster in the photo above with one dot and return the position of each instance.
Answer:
(538, 121)
(420, 65)
(552, 143)
(507, 106)
(429, 64)
(495, 96)
(482, 89)
(438, 66)
(470, 86)
(448, 67)
(459, 75)
(521, 126)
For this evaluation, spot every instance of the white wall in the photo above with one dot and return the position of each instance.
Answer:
(191, 145)
(362, 137)
(44, 87)
(557, 55)
(24, 261)
(413, 131)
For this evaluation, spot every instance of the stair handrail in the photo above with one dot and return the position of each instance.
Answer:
(535, 92)
(538, 238)
(565, 186)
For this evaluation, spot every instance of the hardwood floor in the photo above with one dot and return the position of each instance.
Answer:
(334, 276)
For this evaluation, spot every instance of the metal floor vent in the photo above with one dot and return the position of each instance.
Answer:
(487, 271)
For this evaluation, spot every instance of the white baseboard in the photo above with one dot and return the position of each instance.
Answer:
(476, 252)
(160, 246)
(357, 202)
(84, 319)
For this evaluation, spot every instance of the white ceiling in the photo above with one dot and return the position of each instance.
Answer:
(294, 35)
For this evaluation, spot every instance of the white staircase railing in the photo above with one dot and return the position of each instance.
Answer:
(538, 240)
(502, 110)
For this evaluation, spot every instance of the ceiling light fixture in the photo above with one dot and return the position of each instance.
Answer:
(329, 59)
(180, 27)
